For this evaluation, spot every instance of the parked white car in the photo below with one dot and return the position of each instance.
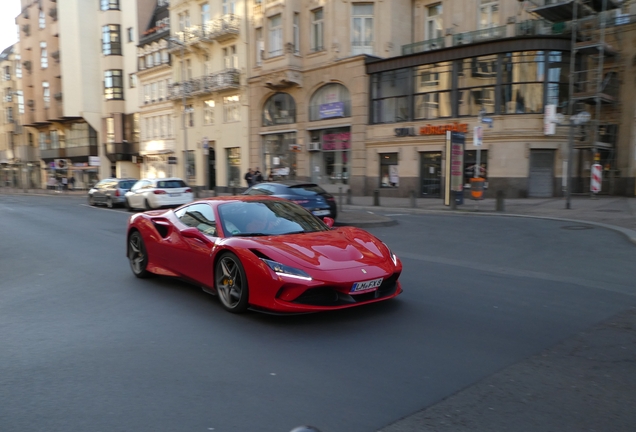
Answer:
(148, 194)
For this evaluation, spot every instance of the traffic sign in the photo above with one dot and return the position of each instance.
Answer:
(596, 178)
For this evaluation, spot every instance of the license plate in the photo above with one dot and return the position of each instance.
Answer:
(367, 285)
(175, 194)
(321, 212)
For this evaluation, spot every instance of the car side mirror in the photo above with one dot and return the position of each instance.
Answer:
(194, 233)
(328, 221)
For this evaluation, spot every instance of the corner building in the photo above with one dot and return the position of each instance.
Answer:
(512, 62)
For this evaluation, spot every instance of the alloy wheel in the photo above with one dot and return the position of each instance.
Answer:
(231, 283)
(137, 255)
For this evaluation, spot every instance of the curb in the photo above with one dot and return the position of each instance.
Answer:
(628, 233)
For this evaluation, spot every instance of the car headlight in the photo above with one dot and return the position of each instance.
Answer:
(283, 270)
(393, 256)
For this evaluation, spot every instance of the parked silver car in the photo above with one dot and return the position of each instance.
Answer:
(110, 192)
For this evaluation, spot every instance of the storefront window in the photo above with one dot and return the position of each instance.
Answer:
(280, 155)
(330, 101)
(389, 177)
(279, 109)
(470, 161)
(332, 164)
(523, 74)
(390, 96)
(432, 87)
(234, 167)
(558, 77)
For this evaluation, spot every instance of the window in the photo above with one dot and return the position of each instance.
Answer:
(208, 112)
(275, 36)
(488, 14)
(42, 140)
(230, 58)
(18, 66)
(362, 29)
(231, 109)
(42, 20)
(330, 101)
(229, 7)
(162, 90)
(205, 13)
(389, 170)
(110, 130)
(317, 28)
(523, 74)
(188, 69)
(55, 139)
(8, 94)
(557, 77)
(476, 82)
(260, 46)
(20, 101)
(44, 59)
(296, 31)
(432, 88)
(111, 42)
(146, 93)
(199, 216)
(132, 80)
(390, 96)
(113, 84)
(46, 94)
(165, 57)
(279, 109)
(189, 116)
(150, 60)
(7, 73)
(184, 20)
(157, 59)
(9, 112)
(154, 90)
(434, 22)
(109, 4)
(131, 36)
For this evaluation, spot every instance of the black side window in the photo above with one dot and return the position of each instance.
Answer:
(199, 216)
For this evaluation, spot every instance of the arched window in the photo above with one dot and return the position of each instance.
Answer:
(280, 108)
(330, 101)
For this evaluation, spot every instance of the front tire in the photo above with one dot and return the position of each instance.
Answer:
(137, 255)
(91, 200)
(230, 283)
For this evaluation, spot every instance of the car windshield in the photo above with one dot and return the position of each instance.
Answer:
(167, 184)
(258, 218)
(127, 184)
(307, 189)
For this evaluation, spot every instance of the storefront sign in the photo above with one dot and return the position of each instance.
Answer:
(431, 130)
(330, 110)
(94, 161)
(336, 141)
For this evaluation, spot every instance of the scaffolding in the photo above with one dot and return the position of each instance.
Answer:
(593, 83)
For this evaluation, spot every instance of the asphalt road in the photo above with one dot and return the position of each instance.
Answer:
(84, 345)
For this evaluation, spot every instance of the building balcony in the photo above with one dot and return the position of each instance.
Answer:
(27, 153)
(226, 80)
(50, 154)
(121, 151)
(81, 151)
(542, 27)
(427, 45)
(221, 29)
(479, 35)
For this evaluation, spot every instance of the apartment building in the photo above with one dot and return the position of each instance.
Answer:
(77, 107)
(19, 164)
(309, 87)
(510, 62)
(154, 77)
(209, 50)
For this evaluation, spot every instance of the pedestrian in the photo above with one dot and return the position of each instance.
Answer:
(258, 176)
(249, 177)
(270, 177)
(64, 184)
(72, 182)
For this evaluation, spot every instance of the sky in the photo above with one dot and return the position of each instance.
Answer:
(8, 32)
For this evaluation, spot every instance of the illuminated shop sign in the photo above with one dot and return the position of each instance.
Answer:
(431, 130)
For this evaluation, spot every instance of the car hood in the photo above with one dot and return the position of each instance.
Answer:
(329, 250)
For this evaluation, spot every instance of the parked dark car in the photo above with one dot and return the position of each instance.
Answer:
(110, 192)
(309, 195)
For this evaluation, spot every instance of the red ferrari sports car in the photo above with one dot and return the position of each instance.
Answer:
(263, 253)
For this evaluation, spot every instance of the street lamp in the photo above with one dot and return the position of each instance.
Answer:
(184, 101)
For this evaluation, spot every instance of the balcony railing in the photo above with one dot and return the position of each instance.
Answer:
(124, 148)
(221, 29)
(428, 45)
(542, 27)
(225, 80)
(479, 35)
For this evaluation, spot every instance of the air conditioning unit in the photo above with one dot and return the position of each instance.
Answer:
(314, 146)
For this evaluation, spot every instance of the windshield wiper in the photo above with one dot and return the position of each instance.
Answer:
(296, 232)
(254, 234)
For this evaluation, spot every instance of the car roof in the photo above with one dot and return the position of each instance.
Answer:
(291, 183)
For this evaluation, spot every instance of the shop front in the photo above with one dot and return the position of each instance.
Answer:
(330, 155)
(280, 151)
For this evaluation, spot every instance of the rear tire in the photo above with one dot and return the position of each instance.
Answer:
(147, 205)
(138, 256)
(230, 283)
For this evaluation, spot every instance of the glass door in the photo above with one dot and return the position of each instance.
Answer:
(431, 174)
